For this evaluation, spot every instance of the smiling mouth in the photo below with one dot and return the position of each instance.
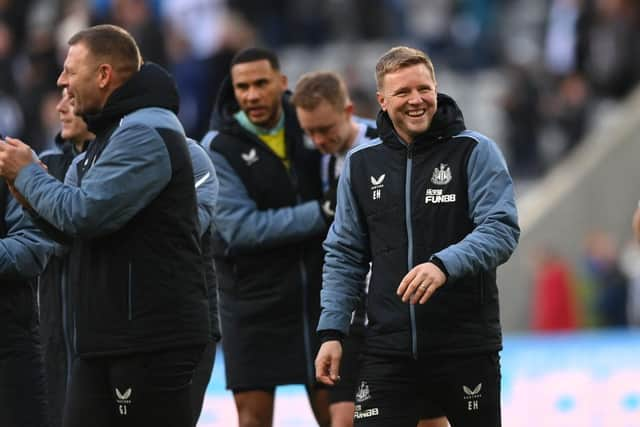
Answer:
(416, 113)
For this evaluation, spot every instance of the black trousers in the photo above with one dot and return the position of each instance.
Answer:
(22, 382)
(399, 391)
(143, 389)
(201, 378)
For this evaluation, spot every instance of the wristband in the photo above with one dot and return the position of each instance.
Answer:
(330, 335)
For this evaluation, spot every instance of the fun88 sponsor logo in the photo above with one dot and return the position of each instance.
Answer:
(370, 412)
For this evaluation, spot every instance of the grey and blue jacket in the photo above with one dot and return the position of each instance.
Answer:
(24, 252)
(446, 198)
(331, 169)
(262, 205)
(129, 206)
(206, 183)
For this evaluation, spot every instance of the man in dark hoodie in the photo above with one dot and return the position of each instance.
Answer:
(23, 254)
(56, 330)
(431, 206)
(128, 206)
(267, 246)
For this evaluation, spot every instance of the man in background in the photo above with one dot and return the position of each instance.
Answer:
(56, 322)
(23, 255)
(267, 245)
(325, 113)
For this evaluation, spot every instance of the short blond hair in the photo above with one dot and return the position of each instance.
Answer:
(401, 57)
(314, 87)
(112, 44)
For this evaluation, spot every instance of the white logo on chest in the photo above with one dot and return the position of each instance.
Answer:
(376, 186)
(441, 175)
(435, 196)
(251, 157)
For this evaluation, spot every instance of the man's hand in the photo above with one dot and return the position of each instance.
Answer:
(420, 283)
(328, 362)
(14, 155)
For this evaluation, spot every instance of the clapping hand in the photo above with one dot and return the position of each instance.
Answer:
(14, 156)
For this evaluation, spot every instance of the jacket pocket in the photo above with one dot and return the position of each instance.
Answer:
(17, 307)
(383, 237)
(108, 291)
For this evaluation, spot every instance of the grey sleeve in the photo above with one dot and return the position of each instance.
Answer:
(24, 251)
(206, 182)
(131, 172)
(245, 227)
(492, 209)
(346, 261)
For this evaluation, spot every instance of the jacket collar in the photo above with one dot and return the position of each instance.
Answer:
(447, 122)
(151, 86)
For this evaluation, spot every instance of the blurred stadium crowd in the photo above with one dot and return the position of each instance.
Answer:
(556, 60)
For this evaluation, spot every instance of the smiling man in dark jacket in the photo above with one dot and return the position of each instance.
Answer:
(431, 206)
(268, 240)
(129, 207)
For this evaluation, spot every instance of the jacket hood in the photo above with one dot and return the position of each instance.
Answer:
(62, 144)
(225, 105)
(66, 146)
(447, 122)
(152, 86)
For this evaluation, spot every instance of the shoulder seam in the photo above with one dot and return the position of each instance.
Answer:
(368, 144)
(478, 137)
(51, 152)
(133, 119)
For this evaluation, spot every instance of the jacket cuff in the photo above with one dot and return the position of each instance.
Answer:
(325, 211)
(330, 335)
(438, 263)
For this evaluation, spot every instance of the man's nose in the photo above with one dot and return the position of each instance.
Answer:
(415, 97)
(62, 80)
(253, 93)
(318, 139)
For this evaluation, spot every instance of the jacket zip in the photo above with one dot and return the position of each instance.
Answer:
(75, 334)
(407, 215)
(130, 294)
(65, 323)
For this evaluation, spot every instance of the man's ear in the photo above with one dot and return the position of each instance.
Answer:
(105, 75)
(348, 109)
(381, 101)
